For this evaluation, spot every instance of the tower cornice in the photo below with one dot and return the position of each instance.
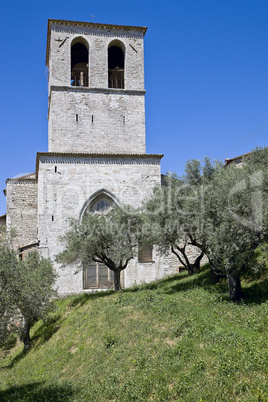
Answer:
(88, 25)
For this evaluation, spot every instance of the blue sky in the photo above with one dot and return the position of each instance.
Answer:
(206, 70)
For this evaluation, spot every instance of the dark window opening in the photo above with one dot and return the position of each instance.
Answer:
(55, 169)
(115, 67)
(145, 253)
(76, 117)
(92, 118)
(52, 218)
(79, 65)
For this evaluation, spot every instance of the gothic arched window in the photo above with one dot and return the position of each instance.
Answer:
(96, 274)
(79, 64)
(116, 65)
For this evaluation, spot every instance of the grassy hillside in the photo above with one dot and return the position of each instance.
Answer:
(176, 339)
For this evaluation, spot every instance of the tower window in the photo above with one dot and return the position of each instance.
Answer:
(79, 65)
(115, 67)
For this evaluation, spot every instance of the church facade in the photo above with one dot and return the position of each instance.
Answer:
(96, 150)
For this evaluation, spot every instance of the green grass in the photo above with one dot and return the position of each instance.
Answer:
(176, 339)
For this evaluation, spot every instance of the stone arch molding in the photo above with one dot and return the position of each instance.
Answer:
(118, 43)
(98, 194)
(79, 39)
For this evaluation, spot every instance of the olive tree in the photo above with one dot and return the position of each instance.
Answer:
(26, 292)
(175, 210)
(110, 239)
(235, 213)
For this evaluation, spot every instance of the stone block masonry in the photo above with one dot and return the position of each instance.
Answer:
(21, 201)
(95, 121)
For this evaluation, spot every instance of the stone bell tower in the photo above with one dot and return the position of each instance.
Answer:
(96, 88)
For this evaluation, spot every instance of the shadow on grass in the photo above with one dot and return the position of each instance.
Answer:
(201, 280)
(257, 293)
(42, 334)
(38, 392)
(47, 329)
(16, 359)
(83, 298)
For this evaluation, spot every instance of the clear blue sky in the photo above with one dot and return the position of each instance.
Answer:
(206, 76)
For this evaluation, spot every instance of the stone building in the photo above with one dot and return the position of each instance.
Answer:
(96, 156)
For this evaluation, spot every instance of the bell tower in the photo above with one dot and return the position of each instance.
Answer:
(96, 88)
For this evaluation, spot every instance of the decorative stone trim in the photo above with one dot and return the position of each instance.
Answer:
(96, 90)
(21, 181)
(93, 159)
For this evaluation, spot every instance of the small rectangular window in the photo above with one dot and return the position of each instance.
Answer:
(52, 218)
(92, 118)
(76, 117)
(55, 169)
(124, 119)
(145, 253)
(98, 275)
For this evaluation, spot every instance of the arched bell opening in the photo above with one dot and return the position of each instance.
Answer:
(79, 64)
(116, 65)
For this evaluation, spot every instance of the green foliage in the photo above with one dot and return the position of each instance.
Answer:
(34, 287)
(174, 213)
(176, 339)
(221, 211)
(26, 289)
(235, 217)
(111, 240)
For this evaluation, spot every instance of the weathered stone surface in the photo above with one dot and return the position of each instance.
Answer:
(22, 210)
(84, 120)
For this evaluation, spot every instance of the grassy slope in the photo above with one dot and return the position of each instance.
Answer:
(176, 339)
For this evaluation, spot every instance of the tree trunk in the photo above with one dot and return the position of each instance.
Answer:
(26, 334)
(191, 268)
(195, 267)
(234, 284)
(117, 284)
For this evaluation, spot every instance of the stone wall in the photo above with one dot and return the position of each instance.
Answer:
(21, 196)
(66, 183)
(85, 120)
